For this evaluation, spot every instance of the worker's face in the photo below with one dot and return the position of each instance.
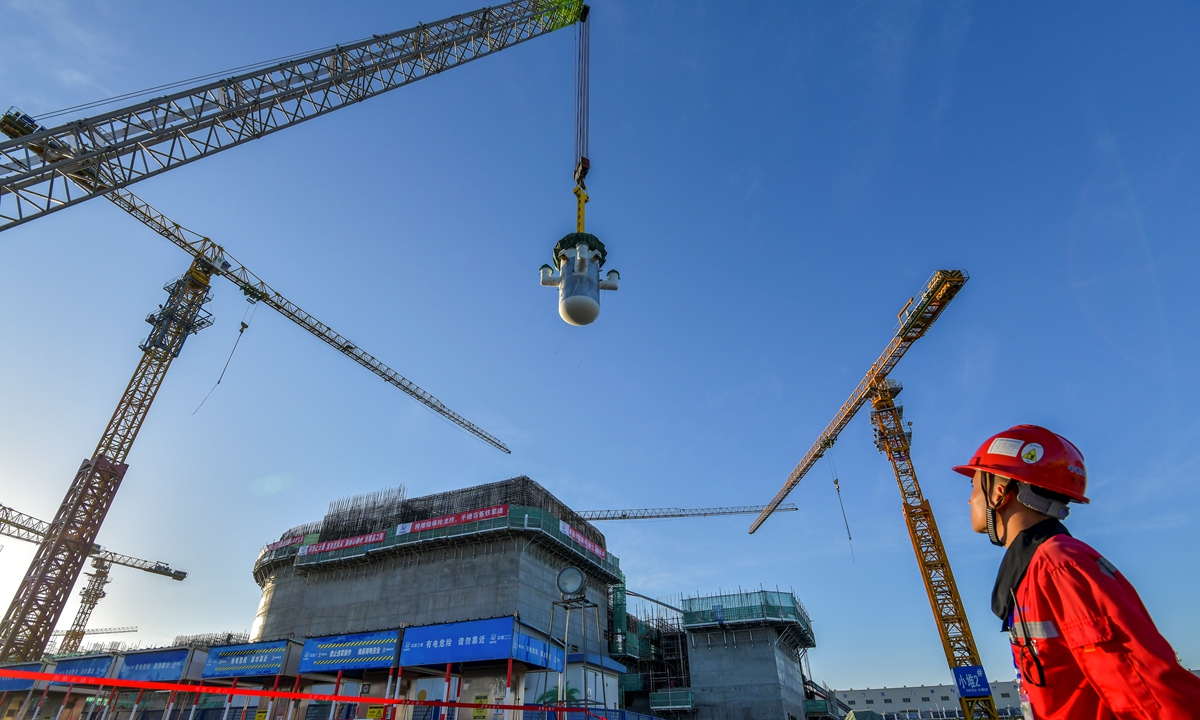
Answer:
(978, 516)
(978, 500)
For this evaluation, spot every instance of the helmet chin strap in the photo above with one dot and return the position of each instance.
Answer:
(987, 485)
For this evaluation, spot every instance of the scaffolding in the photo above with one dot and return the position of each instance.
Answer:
(520, 491)
(205, 641)
(654, 653)
(373, 512)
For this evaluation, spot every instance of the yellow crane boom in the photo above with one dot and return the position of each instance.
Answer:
(893, 440)
(915, 320)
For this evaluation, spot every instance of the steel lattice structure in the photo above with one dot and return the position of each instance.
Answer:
(894, 441)
(26, 527)
(71, 535)
(915, 320)
(101, 631)
(202, 248)
(133, 143)
(657, 513)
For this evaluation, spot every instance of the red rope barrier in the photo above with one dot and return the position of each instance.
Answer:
(226, 690)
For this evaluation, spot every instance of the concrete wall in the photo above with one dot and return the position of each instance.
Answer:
(741, 674)
(470, 580)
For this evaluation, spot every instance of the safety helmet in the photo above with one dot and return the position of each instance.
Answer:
(1033, 455)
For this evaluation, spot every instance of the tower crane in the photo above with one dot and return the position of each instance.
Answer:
(43, 170)
(26, 527)
(893, 439)
(658, 513)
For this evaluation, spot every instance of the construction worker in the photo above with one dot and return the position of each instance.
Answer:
(1083, 643)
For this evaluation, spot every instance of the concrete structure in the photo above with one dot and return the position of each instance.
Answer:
(745, 652)
(718, 657)
(502, 565)
(483, 554)
(926, 701)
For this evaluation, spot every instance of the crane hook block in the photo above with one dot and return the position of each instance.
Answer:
(578, 258)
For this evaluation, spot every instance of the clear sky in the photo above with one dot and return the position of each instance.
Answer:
(773, 182)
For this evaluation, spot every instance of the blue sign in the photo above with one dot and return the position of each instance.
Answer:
(16, 684)
(971, 681)
(349, 652)
(161, 666)
(94, 666)
(458, 642)
(245, 660)
(537, 652)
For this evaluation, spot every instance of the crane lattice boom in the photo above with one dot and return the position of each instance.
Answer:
(915, 320)
(101, 631)
(133, 143)
(253, 287)
(655, 513)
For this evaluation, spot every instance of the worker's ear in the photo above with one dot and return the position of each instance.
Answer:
(1004, 491)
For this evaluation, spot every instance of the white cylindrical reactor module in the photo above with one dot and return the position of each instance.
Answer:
(578, 258)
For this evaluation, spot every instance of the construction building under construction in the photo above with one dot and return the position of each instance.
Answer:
(457, 595)
(728, 655)
(383, 561)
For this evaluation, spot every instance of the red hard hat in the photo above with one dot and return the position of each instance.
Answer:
(1033, 455)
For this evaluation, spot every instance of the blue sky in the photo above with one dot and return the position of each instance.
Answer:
(772, 182)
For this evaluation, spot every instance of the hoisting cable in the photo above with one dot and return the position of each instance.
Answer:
(245, 324)
(838, 488)
(582, 110)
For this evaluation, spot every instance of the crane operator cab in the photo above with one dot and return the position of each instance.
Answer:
(578, 258)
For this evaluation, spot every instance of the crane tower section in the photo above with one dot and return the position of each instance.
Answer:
(894, 440)
(41, 596)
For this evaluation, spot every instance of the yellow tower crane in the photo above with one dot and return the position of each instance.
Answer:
(892, 437)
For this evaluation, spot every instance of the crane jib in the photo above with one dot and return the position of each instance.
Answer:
(133, 143)
(915, 321)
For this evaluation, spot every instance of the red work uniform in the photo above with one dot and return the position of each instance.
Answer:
(1098, 654)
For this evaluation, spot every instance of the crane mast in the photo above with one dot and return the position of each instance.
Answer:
(130, 144)
(893, 440)
(69, 539)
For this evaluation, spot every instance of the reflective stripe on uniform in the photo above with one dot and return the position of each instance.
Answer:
(1038, 630)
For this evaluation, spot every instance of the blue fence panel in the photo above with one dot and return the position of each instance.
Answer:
(349, 652)
(458, 642)
(17, 684)
(245, 660)
(161, 666)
